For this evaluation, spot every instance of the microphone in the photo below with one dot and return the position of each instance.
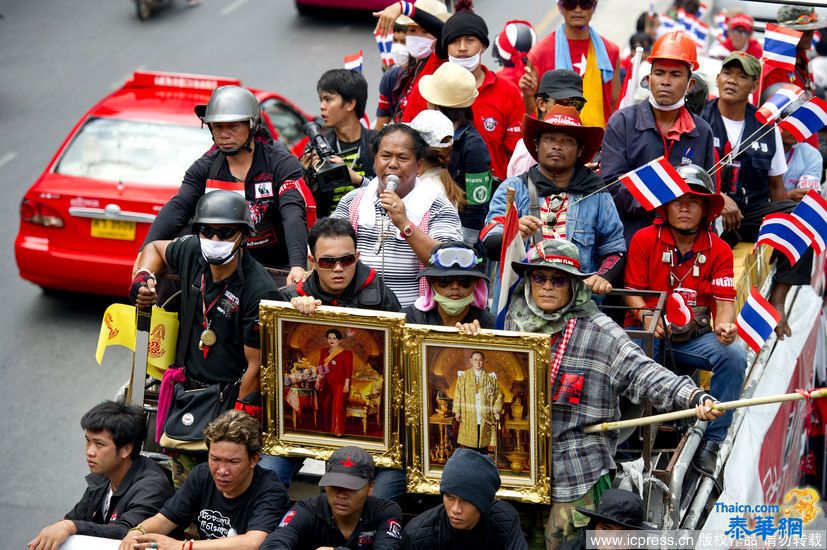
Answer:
(391, 183)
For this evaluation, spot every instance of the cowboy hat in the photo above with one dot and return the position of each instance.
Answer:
(565, 120)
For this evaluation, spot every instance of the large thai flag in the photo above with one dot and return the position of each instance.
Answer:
(785, 233)
(756, 320)
(806, 120)
(354, 62)
(655, 183)
(771, 110)
(779, 46)
(812, 213)
(513, 250)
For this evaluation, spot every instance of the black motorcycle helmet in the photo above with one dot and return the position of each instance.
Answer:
(222, 207)
(697, 95)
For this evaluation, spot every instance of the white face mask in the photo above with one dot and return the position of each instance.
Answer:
(400, 53)
(217, 252)
(470, 63)
(420, 47)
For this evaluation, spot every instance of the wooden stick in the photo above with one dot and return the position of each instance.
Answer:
(510, 194)
(687, 413)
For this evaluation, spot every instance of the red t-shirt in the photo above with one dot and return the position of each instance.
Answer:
(646, 270)
(542, 59)
(498, 116)
(413, 103)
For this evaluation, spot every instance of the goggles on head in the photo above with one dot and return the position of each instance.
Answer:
(447, 258)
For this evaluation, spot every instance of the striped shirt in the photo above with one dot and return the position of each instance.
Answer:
(401, 266)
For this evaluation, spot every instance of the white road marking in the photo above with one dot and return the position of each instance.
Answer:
(232, 7)
(7, 158)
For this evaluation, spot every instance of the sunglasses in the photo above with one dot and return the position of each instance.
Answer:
(330, 263)
(577, 103)
(463, 280)
(572, 4)
(558, 281)
(223, 233)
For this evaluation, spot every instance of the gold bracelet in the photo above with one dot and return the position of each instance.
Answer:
(140, 528)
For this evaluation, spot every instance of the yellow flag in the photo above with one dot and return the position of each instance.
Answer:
(163, 337)
(117, 329)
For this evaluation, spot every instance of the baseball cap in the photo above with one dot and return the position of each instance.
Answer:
(561, 84)
(435, 128)
(348, 468)
(743, 21)
(747, 62)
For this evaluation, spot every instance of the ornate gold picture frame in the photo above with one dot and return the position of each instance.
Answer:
(487, 392)
(330, 380)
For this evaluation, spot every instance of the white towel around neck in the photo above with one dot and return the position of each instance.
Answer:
(417, 201)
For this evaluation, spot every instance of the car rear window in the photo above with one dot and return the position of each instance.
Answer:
(131, 151)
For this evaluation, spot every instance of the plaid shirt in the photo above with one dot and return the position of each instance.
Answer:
(599, 364)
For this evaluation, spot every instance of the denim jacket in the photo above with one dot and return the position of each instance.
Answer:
(592, 224)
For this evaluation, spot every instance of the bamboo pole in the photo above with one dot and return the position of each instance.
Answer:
(687, 413)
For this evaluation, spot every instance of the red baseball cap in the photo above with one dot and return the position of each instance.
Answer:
(742, 20)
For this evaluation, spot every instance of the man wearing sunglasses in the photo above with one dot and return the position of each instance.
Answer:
(457, 292)
(577, 46)
(804, 19)
(557, 87)
(593, 362)
(221, 287)
(562, 198)
(659, 127)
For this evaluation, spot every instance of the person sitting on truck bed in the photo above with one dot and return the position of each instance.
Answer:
(124, 488)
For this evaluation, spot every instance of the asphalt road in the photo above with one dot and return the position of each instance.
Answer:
(56, 59)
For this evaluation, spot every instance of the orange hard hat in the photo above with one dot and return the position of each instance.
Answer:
(675, 46)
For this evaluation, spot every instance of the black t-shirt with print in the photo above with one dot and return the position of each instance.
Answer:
(259, 508)
(233, 318)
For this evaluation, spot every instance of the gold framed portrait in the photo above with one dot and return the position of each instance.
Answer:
(486, 392)
(331, 380)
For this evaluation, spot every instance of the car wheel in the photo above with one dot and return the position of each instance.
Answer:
(144, 9)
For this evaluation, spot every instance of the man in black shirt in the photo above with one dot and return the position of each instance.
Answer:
(262, 171)
(346, 516)
(124, 488)
(230, 497)
(343, 95)
(469, 516)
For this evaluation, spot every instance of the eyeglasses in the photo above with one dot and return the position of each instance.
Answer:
(558, 281)
(446, 258)
(330, 263)
(223, 233)
(572, 4)
(575, 102)
(463, 280)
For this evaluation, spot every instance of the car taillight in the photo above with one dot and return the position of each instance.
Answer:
(40, 214)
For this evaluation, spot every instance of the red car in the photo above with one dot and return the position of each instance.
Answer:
(311, 7)
(82, 221)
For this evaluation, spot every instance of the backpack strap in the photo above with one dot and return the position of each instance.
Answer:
(215, 167)
(534, 206)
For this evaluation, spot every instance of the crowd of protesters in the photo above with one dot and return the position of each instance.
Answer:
(412, 225)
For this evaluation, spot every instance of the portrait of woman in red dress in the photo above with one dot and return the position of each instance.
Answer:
(335, 370)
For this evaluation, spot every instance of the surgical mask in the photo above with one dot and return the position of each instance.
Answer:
(470, 63)
(217, 252)
(672, 107)
(400, 53)
(419, 47)
(451, 306)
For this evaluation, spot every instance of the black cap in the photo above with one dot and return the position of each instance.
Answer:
(348, 468)
(462, 23)
(621, 508)
(561, 84)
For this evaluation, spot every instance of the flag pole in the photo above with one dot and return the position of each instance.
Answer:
(688, 413)
(510, 193)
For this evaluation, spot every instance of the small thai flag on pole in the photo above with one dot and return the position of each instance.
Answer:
(779, 46)
(785, 233)
(385, 43)
(655, 183)
(720, 25)
(666, 24)
(756, 320)
(812, 213)
(354, 62)
(513, 249)
(771, 110)
(700, 31)
(806, 120)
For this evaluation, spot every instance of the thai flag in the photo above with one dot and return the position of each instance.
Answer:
(702, 9)
(806, 120)
(756, 320)
(779, 46)
(812, 213)
(771, 110)
(354, 62)
(655, 183)
(513, 250)
(785, 233)
(720, 24)
(665, 24)
(385, 43)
